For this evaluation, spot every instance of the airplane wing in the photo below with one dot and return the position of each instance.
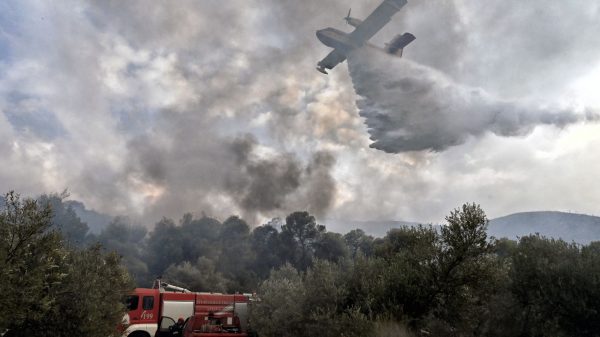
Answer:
(379, 18)
(331, 60)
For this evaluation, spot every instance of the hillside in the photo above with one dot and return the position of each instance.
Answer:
(567, 226)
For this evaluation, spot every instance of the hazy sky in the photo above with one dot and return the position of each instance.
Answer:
(164, 107)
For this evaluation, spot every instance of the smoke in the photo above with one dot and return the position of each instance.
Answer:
(263, 184)
(279, 182)
(152, 123)
(137, 109)
(411, 107)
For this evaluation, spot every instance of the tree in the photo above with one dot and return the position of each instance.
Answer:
(420, 241)
(325, 307)
(49, 288)
(235, 254)
(359, 243)
(199, 276)
(366, 286)
(331, 247)
(87, 300)
(127, 240)
(64, 219)
(280, 310)
(266, 245)
(465, 270)
(437, 280)
(301, 231)
(29, 255)
(308, 304)
(164, 247)
(557, 286)
(404, 284)
(199, 237)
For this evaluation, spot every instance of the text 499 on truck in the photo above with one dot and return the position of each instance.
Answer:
(169, 311)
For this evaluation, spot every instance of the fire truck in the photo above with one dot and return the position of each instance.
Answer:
(170, 311)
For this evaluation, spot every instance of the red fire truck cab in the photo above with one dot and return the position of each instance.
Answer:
(155, 312)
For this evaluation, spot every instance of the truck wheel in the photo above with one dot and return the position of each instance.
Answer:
(138, 334)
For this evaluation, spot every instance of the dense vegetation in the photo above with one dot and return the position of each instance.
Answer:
(448, 281)
(49, 287)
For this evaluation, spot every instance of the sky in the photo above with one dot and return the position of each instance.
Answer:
(215, 107)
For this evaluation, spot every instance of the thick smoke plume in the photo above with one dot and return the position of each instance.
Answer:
(137, 108)
(152, 122)
(280, 182)
(254, 180)
(411, 107)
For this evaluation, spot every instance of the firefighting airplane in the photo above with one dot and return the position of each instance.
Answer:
(342, 43)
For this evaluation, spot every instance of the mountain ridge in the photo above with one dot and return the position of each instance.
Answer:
(579, 228)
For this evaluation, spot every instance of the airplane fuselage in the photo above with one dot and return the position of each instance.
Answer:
(336, 39)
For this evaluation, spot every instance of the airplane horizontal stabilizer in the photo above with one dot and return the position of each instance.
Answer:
(399, 42)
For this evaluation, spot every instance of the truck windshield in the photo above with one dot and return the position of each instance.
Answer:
(131, 302)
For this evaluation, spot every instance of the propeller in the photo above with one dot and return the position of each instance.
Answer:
(347, 18)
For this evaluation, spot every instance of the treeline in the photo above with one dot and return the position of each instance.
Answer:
(205, 254)
(451, 280)
(455, 281)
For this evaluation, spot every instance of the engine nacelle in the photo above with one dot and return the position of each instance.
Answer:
(354, 22)
(398, 43)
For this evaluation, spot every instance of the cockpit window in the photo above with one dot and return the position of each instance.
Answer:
(132, 302)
